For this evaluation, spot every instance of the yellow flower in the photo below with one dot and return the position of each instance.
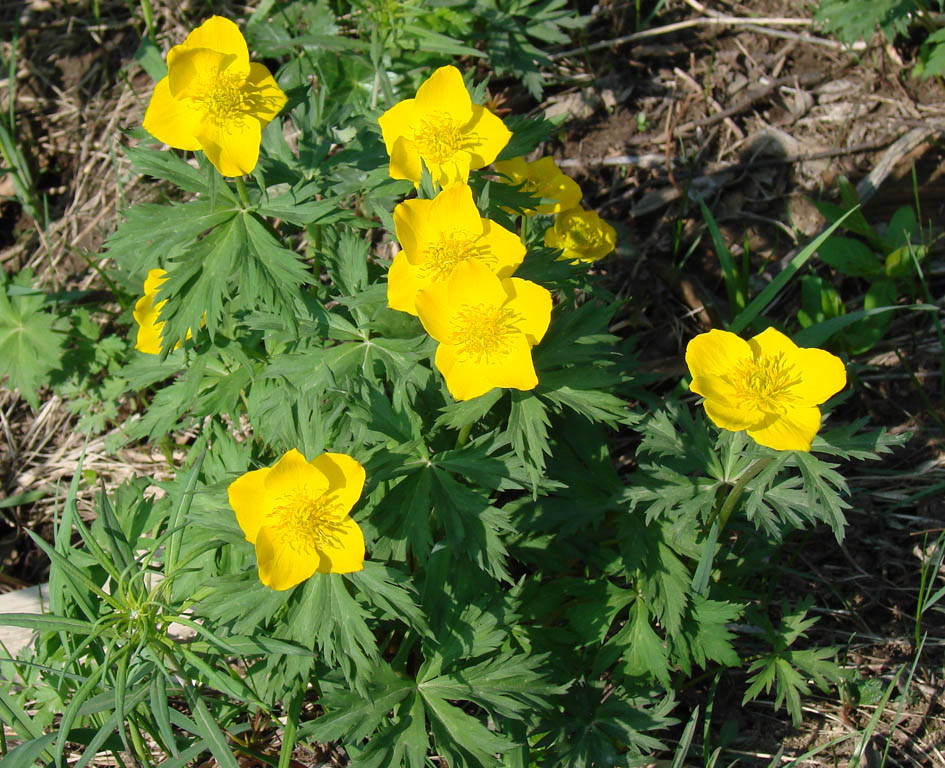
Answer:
(581, 235)
(296, 515)
(146, 314)
(444, 128)
(542, 178)
(486, 327)
(214, 98)
(438, 234)
(767, 385)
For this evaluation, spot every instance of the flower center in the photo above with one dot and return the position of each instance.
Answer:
(443, 256)
(581, 235)
(225, 98)
(765, 382)
(308, 522)
(439, 137)
(484, 332)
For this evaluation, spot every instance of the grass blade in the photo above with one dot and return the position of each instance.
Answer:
(763, 299)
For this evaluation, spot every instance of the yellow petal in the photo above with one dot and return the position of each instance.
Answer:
(192, 70)
(445, 92)
(502, 250)
(733, 418)
(281, 565)
(821, 374)
(488, 137)
(404, 281)
(405, 161)
(170, 121)
(435, 310)
(343, 551)
(221, 35)
(794, 431)
(411, 227)
(468, 377)
(233, 148)
(345, 478)
(150, 327)
(532, 303)
(515, 169)
(263, 94)
(451, 171)
(715, 388)
(472, 282)
(154, 280)
(251, 502)
(292, 473)
(398, 123)
(716, 352)
(453, 210)
(770, 343)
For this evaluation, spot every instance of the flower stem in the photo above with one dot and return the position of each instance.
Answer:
(464, 435)
(241, 189)
(724, 512)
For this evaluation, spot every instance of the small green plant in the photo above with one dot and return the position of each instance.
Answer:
(885, 259)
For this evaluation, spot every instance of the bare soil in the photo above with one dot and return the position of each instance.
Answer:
(756, 120)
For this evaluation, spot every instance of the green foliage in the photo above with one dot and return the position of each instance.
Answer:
(524, 601)
(887, 259)
(30, 337)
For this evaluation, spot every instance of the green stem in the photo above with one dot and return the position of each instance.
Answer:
(724, 512)
(291, 724)
(464, 434)
(241, 190)
(524, 230)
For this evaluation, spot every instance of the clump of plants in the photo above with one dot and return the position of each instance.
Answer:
(400, 526)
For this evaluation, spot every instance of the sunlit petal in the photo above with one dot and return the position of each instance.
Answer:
(293, 472)
(488, 137)
(345, 478)
(403, 283)
(504, 248)
(171, 121)
(771, 342)
(823, 375)
(716, 352)
(444, 92)
(251, 501)
(281, 565)
(222, 35)
(264, 96)
(233, 148)
(794, 431)
(532, 304)
(343, 551)
(732, 418)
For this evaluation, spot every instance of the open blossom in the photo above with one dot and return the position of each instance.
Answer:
(296, 515)
(436, 235)
(214, 98)
(444, 128)
(767, 386)
(486, 326)
(147, 312)
(581, 235)
(542, 178)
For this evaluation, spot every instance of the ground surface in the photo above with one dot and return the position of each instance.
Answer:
(757, 120)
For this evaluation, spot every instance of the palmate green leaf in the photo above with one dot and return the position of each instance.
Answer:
(602, 726)
(403, 519)
(705, 634)
(351, 715)
(472, 524)
(848, 441)
(342, 636)
(457, 415)
(162, 164)
(824, 486)
(461, 738)
(528, 430)
(149, 230)
(390, 590)
(30, 339)
(643, 652)
(406, 742)
(508, 685)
